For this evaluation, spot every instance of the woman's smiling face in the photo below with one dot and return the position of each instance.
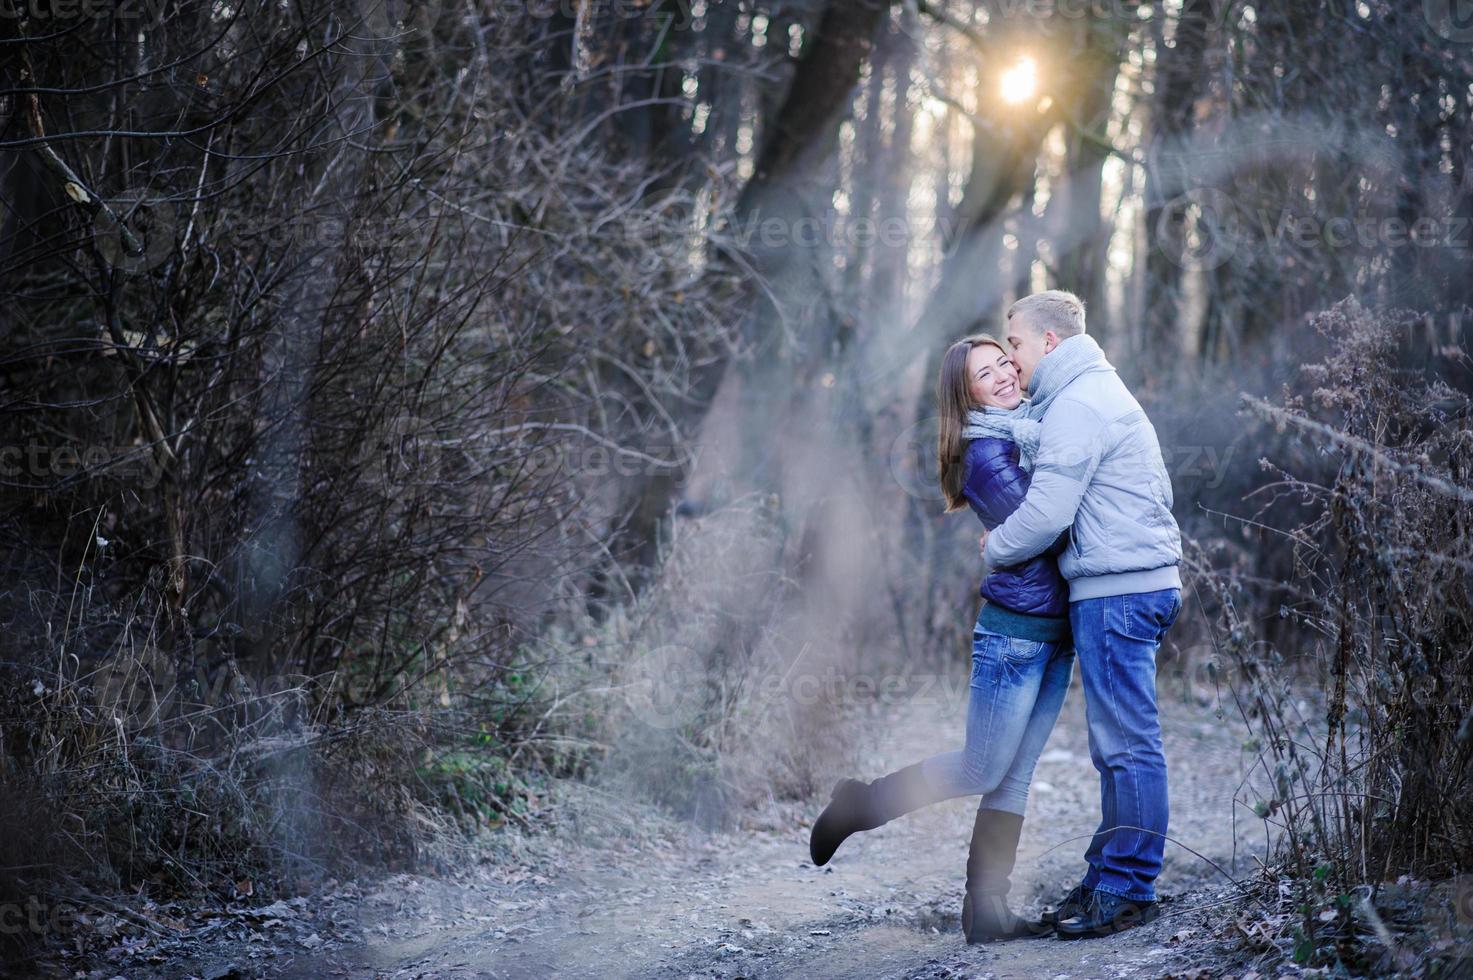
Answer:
(992, 380)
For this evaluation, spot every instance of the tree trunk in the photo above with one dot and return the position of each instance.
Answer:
(1168, 175)
(779, 195)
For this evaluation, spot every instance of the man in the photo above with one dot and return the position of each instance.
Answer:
(1100, 475)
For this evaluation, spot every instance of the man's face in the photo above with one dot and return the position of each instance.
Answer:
(1029, 347)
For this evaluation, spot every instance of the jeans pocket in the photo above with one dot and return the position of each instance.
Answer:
(1018, 650)
(1146, 617)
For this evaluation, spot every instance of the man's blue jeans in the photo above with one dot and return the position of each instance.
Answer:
(1116, 639)
(1017, 689)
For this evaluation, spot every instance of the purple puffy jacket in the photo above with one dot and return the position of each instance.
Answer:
(995, 485)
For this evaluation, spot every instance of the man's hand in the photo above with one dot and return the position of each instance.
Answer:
(982, 544)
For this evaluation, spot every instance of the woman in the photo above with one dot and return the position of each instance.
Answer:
(1022, 656)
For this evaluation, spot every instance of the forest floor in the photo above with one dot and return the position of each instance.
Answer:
(636, 895)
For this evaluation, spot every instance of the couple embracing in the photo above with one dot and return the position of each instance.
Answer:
(1075, 501)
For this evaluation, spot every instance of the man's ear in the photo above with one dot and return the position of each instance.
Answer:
(1050, 341)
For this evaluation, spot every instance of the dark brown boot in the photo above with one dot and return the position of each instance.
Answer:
(985, 913)
(856, 806)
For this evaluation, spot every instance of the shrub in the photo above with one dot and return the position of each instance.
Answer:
(1368, 780)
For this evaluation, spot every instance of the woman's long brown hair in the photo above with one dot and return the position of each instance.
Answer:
(953, 401)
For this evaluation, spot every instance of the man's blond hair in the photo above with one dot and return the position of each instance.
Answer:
(1052, 309)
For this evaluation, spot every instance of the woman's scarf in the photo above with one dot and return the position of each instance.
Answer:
(1014, 424)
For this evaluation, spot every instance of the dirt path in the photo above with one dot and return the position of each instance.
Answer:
(749, 904)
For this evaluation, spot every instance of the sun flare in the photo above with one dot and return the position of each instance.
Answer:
(1020, 82)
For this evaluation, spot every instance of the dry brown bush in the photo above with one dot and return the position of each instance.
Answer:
(1364, 729)
(302, 477)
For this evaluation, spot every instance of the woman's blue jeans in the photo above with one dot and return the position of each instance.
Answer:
(1017, 689)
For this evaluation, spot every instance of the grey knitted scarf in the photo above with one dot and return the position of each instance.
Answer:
(1014, 424)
